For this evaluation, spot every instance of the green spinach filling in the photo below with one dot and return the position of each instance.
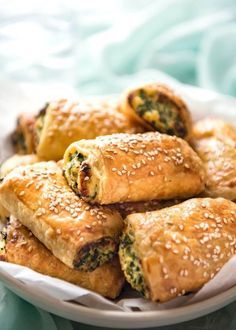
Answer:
(95, 254)
(162, 114)
(75, 161)
(76, 165)
(131, 264)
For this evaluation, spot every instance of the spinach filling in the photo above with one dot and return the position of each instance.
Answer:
(75, 161)
(131, 264)
(76, 166)
(162, 114)
(95, 254)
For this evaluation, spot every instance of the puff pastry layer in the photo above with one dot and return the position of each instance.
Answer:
(167, 253)
(24, 249)
(63, 122)
(7, 167)
(133, 167)
(80, 235)
(215, 142)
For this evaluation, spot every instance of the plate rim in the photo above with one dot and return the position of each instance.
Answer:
(118, 319)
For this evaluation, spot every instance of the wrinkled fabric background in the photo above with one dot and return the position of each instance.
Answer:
(101, 47)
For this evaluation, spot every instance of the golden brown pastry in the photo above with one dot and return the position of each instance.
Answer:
(23, 138)
(158, 108)
(61, 123)
(7, 167)
(140, 207)
(23, 248)
(16, 161)
(215, 142)
(133, 167)
(167, 253)
(4, 215)
(80, 235)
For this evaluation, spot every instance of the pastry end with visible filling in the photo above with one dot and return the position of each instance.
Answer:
(131, 264)
(78, 173)
(95, 254)
(159, 111)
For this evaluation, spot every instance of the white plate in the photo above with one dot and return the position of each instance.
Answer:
(117, 319)
(201, 102)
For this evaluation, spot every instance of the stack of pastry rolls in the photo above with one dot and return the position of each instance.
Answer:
(129, 197)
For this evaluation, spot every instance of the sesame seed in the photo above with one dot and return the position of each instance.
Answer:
(21, 193)
(30, 248)
(164, 270)
(168, 246)
(181, 227)
(58, 231)
(173, 290)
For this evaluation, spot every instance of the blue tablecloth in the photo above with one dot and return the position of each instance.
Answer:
(103, 47)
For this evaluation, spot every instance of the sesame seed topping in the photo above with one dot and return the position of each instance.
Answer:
(164, 270)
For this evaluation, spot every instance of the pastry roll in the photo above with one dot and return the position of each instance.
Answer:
(80, 235)
(158, 108)
(61, 123)
(133, 167)
(176, 250)
(23, 248)
(23, 138)
(215, 142)
(16, 161)
(7, 167)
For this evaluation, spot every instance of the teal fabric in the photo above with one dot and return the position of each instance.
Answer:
(104, 47)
